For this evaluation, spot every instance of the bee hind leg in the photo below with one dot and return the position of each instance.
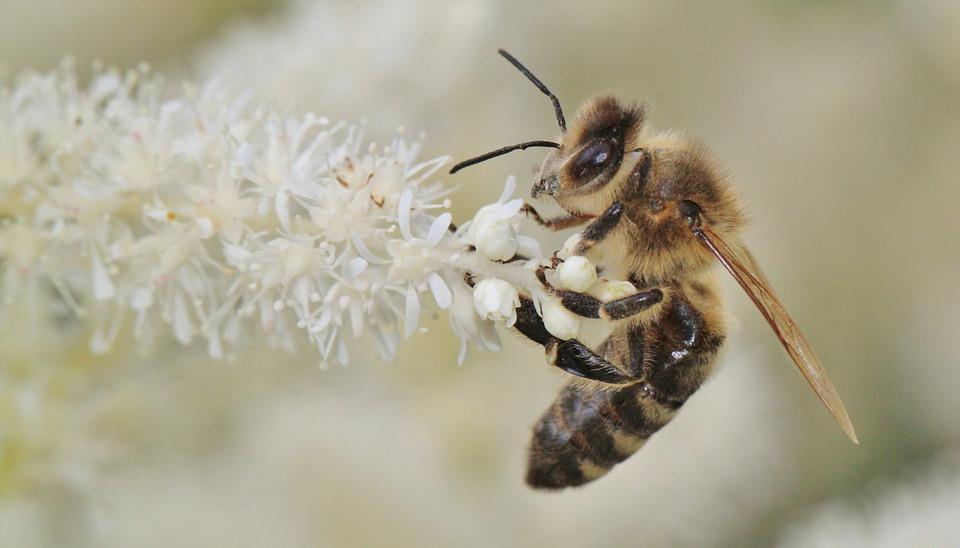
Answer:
(530, 324)
(588, 306)
(571, 356)
(575, 358)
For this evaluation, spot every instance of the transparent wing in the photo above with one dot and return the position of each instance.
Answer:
(744, 268)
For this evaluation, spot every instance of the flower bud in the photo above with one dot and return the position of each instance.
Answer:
(576, 273)
(570, 246)
(496, 300)
(560, 322)
(496, 239)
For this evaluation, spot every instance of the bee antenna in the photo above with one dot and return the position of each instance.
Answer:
(536, 81)
(500, 152)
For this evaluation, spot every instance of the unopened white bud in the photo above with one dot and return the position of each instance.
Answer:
(496, 300)
(570, 246)
(560, 322)
(576, 273)
(496, 240)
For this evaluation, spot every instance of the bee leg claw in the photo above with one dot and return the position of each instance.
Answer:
(542, 276)
(555, 260)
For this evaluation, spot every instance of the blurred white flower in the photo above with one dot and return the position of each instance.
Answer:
(213, 214)
(469, 326)
(495, 228)
(496, 239)
(496, 300)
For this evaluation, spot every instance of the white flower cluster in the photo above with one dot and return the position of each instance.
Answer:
(214, 215)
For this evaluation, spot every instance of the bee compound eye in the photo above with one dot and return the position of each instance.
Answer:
(689, 210)
(593, 159)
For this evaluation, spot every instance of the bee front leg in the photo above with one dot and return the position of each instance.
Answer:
(556, 223)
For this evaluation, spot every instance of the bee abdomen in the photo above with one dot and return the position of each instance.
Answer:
(586, 433)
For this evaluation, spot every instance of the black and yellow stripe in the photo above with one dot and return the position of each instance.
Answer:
(586, 432)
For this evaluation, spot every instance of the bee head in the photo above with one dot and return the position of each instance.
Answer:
(588, 156)
(586, 171)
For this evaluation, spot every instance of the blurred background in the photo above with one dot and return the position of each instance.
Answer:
(840, 122)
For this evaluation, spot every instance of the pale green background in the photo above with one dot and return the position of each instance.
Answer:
(841, 123)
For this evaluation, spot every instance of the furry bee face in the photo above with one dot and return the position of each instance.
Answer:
(600, 147)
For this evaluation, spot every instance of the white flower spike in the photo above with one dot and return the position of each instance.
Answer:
(216, 216)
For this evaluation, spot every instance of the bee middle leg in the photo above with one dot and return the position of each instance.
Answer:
(600, 228)
(571, 355)
(588, 306)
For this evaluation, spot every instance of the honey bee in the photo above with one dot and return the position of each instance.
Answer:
(663, 213)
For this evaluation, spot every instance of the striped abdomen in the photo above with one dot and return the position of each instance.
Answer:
(586, 432)
(588, 429)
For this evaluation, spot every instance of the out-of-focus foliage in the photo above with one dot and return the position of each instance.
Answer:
(840, 122)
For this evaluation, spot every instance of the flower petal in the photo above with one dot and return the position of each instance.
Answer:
(528, 246)
(103, 288)
(182, 325)
(364, 251)
(356, 317)
(215, 346)
(508, 188)
(441, 293)
(512, 207)
(403, 213)
(356, 266)
(462, 355)
(411, 316)
(424, 170)
(343, 357)
(438, 229)
(282, 205)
